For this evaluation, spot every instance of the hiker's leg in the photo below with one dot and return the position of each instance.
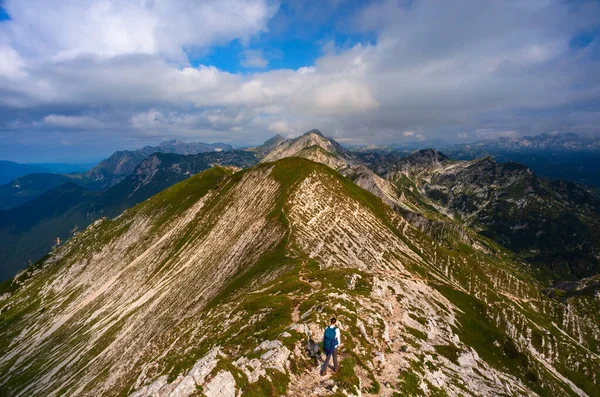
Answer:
(325, 364)
(335, 362)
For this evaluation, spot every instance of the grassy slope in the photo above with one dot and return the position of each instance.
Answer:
(289, 273)
(478, 328)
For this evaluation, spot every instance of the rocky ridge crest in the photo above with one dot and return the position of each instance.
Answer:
(218, 284)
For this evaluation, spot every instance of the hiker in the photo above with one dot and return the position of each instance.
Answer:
(331, 341)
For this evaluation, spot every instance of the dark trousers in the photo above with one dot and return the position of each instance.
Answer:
(326, 363)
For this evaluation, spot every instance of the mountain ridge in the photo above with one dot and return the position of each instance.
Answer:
(556, 156)
(107, 173)
(509, 203)
(115, 168)
(295, 225)
(10, 170)
(48, 220)
(310, 144)
(415, 185)
(219, 283)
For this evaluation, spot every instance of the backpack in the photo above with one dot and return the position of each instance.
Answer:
(329, 341)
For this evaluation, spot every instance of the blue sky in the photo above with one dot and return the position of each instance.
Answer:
(94, 76)
(296, 37)
(3, 14)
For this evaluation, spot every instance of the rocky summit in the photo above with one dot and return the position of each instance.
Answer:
(221, 285)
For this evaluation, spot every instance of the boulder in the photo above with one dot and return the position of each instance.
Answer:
(222, 385)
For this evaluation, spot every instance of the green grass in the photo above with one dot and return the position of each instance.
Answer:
(275, 386)
(273, 259)
(449, 351)
(288, 172)
(346, 376)
(416, 333)
(337, 279)
(182, 195)
(491, 343)
(409, 385)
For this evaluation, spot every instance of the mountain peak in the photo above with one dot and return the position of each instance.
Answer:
(427, 155)
(312, 145)
(314, 131)
(275, 140)
(262, 150)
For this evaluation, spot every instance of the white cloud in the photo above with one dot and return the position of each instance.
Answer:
(79, 122)
(467, 69)
(146, 120)
(254, 59)
(485, 133)
(11, 66)
(339, 97)
(155, 119)
(279, 127)
(64, 29)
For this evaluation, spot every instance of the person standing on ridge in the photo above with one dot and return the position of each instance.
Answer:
(331, 341)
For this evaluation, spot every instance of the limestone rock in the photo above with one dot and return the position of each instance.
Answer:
(352, 281)
(268, 345)
(152, 389)
(275, 356)
(252, 368)
(204, 366)
(222, 385)
(185, 388)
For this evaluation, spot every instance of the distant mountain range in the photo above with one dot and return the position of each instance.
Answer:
(406, 147)
(33, 181)
(557, 156)
(447, 278)
(555, 142)
(544, 142)
(66, 168)
(554, 225)
(32, 229)
(565, 156)
(28, 187)
(10, 170)
(114, 169)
